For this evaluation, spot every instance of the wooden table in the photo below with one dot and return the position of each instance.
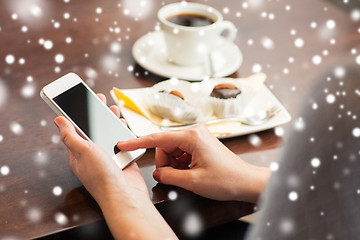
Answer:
(293, 42)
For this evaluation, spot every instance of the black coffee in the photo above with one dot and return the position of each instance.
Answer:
(190, 20)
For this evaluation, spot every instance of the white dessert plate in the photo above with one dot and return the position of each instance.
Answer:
(149, 51)
(263, 99)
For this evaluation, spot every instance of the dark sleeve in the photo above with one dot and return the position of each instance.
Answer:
(315, 193)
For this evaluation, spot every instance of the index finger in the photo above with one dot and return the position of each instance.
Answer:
(169, 140)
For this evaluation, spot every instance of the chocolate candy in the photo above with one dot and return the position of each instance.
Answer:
(225, 91)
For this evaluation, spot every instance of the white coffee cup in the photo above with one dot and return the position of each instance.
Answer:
(191, 45)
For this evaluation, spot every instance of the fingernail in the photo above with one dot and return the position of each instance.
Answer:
(156, 175)
(58, 121)
(119, 143)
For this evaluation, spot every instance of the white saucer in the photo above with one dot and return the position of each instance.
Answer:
(149, 52)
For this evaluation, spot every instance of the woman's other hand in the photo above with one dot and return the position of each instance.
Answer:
(197, 161)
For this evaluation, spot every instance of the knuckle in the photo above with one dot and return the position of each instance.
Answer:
(192, 180)
(196, 131)
(84, 149)
(154, 138)
(65, 137)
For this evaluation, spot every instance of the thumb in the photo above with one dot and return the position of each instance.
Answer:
(171, 176)
(72, 140)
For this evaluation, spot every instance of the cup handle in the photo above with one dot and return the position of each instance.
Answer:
(230, 27)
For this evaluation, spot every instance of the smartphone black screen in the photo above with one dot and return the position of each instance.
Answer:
(92, 117)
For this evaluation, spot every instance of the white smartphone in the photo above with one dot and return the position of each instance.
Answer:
(70, 97)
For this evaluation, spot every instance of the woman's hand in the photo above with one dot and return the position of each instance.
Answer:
(122, 195)
(95, 168)
(195, 160)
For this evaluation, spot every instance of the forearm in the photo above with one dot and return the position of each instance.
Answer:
(141, 220)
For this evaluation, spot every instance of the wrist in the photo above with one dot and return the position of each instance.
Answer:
(253, 183)
(133, 199)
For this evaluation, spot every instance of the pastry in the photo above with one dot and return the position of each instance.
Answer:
(172, 105)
